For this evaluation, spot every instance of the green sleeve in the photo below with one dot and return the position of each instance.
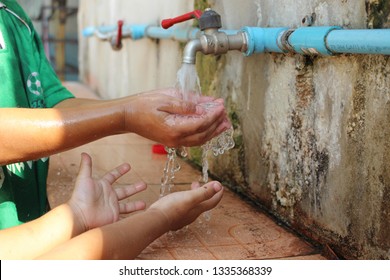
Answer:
(54, 92)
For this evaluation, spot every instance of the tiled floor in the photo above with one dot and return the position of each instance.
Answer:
(233, 230)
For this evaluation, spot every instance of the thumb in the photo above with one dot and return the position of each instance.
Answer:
(85, 170)
(180, 107)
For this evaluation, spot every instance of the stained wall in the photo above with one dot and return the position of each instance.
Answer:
(312, 134)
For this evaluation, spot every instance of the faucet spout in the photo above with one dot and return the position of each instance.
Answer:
(190, 50)
(214, 42)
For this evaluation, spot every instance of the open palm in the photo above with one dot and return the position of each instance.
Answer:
(96, 202)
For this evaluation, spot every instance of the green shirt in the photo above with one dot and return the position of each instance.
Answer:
(27, 80)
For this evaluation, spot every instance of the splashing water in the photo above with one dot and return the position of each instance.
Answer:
(219, 145)
(188, 86)
(171, 167)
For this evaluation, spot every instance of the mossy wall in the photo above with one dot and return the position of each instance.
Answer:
(311, 132)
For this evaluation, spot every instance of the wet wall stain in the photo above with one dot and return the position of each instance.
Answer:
(356, 123)
(378, 13)
(307, 164)
(366, 154)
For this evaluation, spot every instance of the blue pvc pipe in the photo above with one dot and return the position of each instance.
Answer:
(263, 39)
(359, 41)
(329, 40)
(141, 31)
(90, 31)
(179, 34)
(311, 40)
(137, 30)
(324, 40)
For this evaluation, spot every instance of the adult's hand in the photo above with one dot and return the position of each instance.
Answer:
(167, 119)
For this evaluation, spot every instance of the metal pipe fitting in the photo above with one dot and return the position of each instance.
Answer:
(211, 41)
(214, 42)
(190, 50)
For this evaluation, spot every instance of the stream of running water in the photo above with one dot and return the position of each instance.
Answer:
(189, 87)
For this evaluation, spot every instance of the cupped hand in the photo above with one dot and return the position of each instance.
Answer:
(95, 202)
(163, 117)
(182, 208)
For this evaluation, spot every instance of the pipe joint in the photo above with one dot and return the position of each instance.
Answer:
(261, 40)
(214, 43)
(311, 40)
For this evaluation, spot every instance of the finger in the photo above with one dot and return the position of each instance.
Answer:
(211, 202)
(202, 123)
(116, 173)
(206, 192)
(188, 124)
(225, 125)
(127, 191)
(178, 106)
(85, 169)
(129, 207)
(202, 137)
(216, 129)
(211, 118)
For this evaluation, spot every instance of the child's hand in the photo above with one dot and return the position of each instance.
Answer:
(95, 202)
(182, 208)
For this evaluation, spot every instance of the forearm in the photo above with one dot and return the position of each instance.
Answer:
(125, 239)
(28, 134)
(32, 239)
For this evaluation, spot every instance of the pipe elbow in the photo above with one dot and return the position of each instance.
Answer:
(190, 50)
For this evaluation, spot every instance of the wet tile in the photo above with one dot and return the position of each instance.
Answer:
(307, 257)
(231, 252)
(281, 248)
(196, 253)
(155, 252)
(183, 238)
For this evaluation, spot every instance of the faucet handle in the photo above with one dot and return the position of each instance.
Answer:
(166, 23)
(119, 35)
(116, 40)
(210, 19)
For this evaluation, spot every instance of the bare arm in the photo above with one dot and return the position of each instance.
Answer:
(93, 203)
(27, 134)
(124, 239)
(37, 237)
(127, 238)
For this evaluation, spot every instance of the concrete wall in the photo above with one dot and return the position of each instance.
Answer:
(312, 133)
(141, 65)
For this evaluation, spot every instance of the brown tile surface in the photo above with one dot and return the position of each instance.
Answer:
(233, 230)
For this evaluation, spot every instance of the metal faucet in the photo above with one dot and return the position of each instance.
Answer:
(212, 40)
